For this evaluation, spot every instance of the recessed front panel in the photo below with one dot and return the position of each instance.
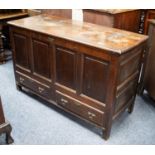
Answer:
(41, 58)
(21, 50)
(95, 78)
(65, 67)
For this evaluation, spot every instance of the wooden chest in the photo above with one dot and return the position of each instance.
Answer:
(125, 19)
(149, 14)
(149, 76)
(71, 65)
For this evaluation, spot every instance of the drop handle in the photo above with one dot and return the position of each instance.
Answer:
(91, 115)
(63, 101)
(21, 79)
(40, 89)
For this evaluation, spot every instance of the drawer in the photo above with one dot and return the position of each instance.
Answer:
(68, 103)
(24, 80)
(43, 90)
(80, 108)
(92, 115)
(34, 85)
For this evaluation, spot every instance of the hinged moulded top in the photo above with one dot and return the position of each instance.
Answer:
(109, 39)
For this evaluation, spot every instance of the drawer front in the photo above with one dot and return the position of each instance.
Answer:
(68, 103)
(34, 85)
(44, 91)
(80, 108)
(24, 80)
(92, 115)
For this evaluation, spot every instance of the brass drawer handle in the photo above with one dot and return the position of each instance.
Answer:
(91, 115)
(40, 89)
(21, 79)
(63, 100)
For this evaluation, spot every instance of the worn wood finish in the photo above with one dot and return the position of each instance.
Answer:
(65, 13)
(125, 19)
(149, 73)
(92, 77)
(112, 40)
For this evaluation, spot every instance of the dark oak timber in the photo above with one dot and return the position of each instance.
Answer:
(148, 79)
(126, 19)
(70, 65)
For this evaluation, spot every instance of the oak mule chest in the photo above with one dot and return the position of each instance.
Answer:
(88, 70)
